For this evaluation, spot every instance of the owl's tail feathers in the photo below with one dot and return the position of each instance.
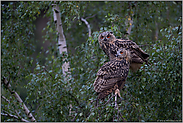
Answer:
(104, 94)
(97, 84)
(143, 55)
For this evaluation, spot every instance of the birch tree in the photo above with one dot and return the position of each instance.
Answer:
(61, 38)
(35, 85)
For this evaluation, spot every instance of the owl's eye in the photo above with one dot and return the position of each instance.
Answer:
(121, 52)
(102, 37)
(108, 36)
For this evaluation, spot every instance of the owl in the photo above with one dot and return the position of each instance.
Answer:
(110, 46)
(112, 75)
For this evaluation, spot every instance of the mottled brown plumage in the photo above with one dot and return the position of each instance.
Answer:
(113, 74)
(110, 46)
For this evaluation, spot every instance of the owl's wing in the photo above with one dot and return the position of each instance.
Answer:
(136, 59)
(109, 74)
(104, 70)
(135, 50)
(101, 84)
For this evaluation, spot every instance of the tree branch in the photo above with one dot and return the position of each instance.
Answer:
(116, 104)
(91, 16)
(13, 116)
(5, 99)
(17, 97)
(122, 116)
(88, 26)
(12, 106)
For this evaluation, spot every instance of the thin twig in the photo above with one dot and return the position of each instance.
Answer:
(48, 73)
(75, 99)
(13, 116)
(88, 26)
(107, 101)
(116, 105)
(91, 16)
(17, 97)
(122, 117)
(12, 106)
(5, 99)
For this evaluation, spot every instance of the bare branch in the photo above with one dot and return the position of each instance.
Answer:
(17, 97)
(122, 117)
(116, 105)
(107, 101)
(5, 99)
(91, 16)
(6, 82)
(13, 116)
(75, 99)
(88, 26)
(12, 106)
(48, 72)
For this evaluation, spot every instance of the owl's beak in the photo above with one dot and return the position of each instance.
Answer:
(105, 39)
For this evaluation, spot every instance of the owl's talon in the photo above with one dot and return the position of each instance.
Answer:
(117, 92)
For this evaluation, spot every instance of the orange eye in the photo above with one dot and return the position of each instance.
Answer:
(102, 37)
(121, 52)
(108, 36)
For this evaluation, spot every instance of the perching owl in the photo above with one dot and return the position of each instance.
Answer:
(113, 74)
(110, 46)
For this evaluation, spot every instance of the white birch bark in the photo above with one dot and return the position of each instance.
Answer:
(62, 44)
(61, 38)
(88, 26)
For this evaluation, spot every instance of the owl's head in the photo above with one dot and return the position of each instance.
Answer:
(123, 53)
(106, 37)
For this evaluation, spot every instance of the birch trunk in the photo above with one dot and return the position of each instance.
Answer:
(62, 45)
(129, 21)
(61, 38)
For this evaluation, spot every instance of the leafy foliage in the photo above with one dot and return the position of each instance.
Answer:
(153, 93)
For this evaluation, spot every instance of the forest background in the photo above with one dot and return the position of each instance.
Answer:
(31, 65)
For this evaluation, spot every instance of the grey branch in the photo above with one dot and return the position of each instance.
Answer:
(91, 16)
(88, 26)
(3, 97)
(12, 106)
(13, 116)
(17, 97)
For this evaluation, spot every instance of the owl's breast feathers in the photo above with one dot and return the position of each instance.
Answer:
(113, 67)
(111, 76)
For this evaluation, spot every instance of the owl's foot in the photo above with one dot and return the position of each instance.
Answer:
(117, 92)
